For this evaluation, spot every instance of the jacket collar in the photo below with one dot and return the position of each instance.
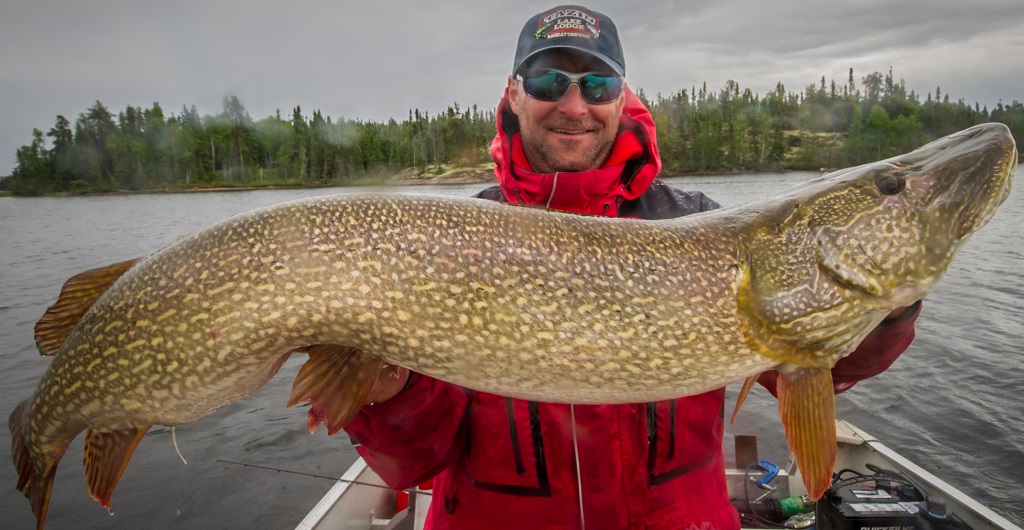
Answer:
(632, 166)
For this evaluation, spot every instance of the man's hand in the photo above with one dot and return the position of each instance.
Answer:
(391, 381)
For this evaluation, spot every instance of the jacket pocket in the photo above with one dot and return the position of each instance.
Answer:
(506, 448)
(682, 435)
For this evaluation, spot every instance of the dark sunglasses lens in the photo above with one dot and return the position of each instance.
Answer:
(599, 89)
(548, 87)
(553, 85)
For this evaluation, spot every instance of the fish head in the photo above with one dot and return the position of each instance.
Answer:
(887, 232)
(828, 260)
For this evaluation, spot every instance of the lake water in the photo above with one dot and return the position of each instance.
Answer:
(951, 403)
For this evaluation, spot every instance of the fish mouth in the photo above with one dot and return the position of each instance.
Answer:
(980, 173)
(998, 189)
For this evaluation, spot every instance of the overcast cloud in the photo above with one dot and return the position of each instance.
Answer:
(377, 60)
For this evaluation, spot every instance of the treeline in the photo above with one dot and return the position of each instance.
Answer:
(140, 149)
(826, 125)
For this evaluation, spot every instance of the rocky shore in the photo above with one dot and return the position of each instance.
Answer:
(448, 175)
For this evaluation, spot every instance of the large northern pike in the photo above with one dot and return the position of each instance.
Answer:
(515, 301)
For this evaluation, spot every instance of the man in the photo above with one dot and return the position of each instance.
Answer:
(572, 137)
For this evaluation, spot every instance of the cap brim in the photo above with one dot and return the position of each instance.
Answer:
(614, 65)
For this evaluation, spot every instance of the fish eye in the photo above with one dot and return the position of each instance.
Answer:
(890, 184)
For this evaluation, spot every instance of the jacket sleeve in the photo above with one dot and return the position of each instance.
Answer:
(874, 355)
(414, 435)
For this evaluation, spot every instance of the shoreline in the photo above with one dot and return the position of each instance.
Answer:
(480, 174)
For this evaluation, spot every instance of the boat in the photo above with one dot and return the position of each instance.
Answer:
(874, 487)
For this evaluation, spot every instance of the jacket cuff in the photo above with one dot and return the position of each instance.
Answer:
(910, 312)
(878, 351)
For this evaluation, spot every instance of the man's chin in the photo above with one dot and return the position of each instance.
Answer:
(575, 158)
(572, 156)
(572, 166)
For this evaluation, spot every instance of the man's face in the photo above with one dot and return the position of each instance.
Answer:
(569, 134)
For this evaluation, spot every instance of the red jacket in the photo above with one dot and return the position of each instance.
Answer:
(503, 463)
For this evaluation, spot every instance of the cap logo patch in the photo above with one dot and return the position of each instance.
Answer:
(567, 23)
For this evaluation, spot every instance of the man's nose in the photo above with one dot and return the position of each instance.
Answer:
(572, 103)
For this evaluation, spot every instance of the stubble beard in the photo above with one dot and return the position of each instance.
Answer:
(549, 157)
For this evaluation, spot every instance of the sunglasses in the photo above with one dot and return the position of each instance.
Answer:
(554, 84)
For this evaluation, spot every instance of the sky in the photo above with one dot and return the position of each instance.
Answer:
(376, 60)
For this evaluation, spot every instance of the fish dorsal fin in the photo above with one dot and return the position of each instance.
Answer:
(106, 457)
(335, 381)
(76, 297)
(807, 405)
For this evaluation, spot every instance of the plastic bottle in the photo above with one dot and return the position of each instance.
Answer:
(790, 506)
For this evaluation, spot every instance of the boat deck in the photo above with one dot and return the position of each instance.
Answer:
(359, 500)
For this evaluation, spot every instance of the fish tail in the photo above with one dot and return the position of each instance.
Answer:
(35, 477)
(19, 450)
(807, 407)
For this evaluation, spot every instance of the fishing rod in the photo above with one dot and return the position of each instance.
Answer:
(313, 475)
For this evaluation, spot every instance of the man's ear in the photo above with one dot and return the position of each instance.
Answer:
(513, 94)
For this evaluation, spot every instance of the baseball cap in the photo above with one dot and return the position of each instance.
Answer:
(573, 27)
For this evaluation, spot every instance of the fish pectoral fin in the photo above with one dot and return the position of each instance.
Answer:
(335, 381)
(76, 297)
(106, 457)
(807, 407)
(747, 385)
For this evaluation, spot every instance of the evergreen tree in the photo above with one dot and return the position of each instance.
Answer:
(33, 174)
(63, 139)
(240, 151)
(92, 162)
